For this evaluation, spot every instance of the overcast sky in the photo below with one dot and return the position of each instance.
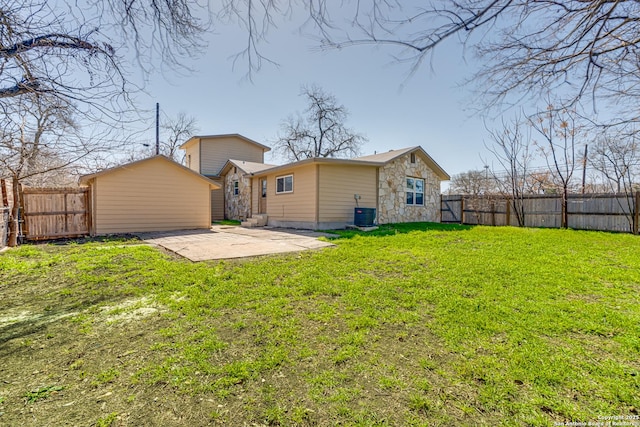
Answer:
(394, 110)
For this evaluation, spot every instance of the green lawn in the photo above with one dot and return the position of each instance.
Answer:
(421, 324)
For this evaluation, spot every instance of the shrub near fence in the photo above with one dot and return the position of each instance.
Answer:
(604, 212)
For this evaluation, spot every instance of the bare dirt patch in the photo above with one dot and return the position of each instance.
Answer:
(75, 368)
(130, 310)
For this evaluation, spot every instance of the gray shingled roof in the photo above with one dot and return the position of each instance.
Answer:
(386, 156)
(250, 167)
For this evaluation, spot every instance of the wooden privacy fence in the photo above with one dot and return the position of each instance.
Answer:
(605, 212)
(54, 213)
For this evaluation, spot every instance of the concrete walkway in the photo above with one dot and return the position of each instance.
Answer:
(227, 241)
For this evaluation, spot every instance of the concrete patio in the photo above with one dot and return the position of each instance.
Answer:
(228, 241)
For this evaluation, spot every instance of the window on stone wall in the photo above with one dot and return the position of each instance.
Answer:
(236, 188)
(284, 184)
(413, 157)
(415, 191)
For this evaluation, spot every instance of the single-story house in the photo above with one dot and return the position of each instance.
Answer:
(322, 193)
(154, 194)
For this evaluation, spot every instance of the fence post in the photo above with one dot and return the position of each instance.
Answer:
(493, 212)
(636, 213)
(25, 225)
(66, 214)
(508, 202)
(461, 209)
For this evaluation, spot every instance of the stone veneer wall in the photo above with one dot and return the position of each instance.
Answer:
(237, 207)
(392, 203)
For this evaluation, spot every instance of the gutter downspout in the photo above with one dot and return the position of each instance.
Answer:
(317, 196)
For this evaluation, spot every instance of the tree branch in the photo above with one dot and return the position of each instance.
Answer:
(21, 88)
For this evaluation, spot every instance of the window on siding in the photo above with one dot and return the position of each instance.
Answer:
(415, 191)
(284, 184)
(236, 189)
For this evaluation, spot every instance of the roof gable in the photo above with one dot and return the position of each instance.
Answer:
(392, 155)
(197, 138)
(246, 167)
(84, 179)
(386, 156)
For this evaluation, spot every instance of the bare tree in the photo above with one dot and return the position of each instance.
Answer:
(531, 47)
(63, 59)
(511, 148)
(64, 52)
(38, 139)
(541, 182)
(585, 50)
(472, 183)
(559, 131)
(617, 158)
(177, 130)
(320, 132)
(39, 51)
(479, 185)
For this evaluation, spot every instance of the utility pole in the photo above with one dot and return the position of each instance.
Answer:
(157, 128)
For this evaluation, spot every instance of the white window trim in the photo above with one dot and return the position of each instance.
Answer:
(285, 187)
(407, 190)
(236, 187)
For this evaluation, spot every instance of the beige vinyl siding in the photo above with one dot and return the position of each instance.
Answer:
(192, 162)
(256, 193)
(298, 206)
(150, 196)
(217, 202)
(215, 153)
(337, 186)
